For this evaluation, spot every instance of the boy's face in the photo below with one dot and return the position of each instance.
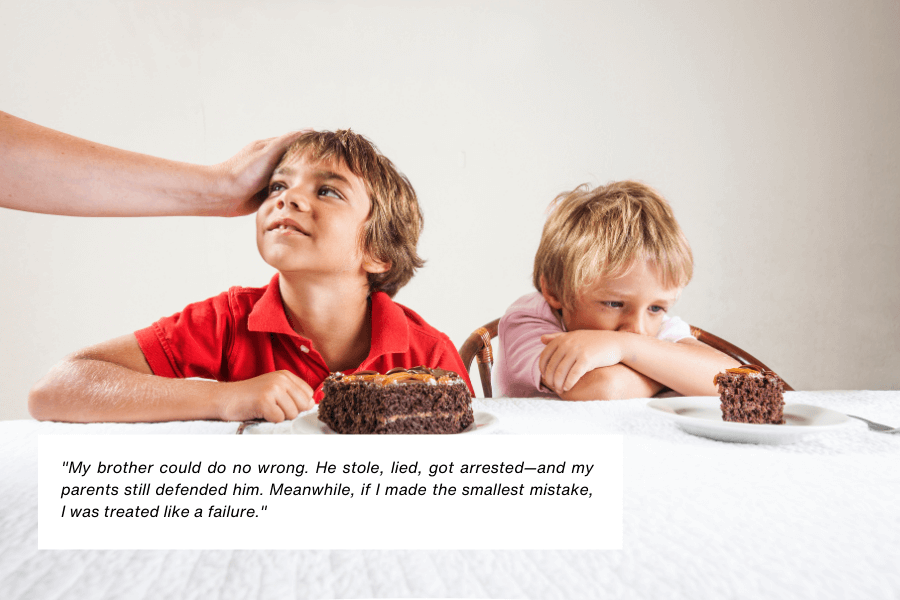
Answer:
(311, 220)
(636, 303)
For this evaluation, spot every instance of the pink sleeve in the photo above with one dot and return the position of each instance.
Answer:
(520, 332)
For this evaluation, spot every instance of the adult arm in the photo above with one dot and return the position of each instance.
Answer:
(112, 381)
(46, 171)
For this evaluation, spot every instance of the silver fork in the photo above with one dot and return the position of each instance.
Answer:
(877, 426)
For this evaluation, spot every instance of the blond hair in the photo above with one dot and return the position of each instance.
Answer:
(603, 232)
(391, 232)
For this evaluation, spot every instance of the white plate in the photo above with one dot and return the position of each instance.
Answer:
(309, 423)
(703, 417)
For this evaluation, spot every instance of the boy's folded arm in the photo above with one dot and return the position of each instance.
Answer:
(687, 366)
(616, 382)
(112, 381)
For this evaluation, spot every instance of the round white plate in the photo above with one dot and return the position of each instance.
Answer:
(703, 417)
(309, 423)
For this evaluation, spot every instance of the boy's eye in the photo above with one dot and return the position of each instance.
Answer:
(327, 191)
(656, 310)
(275, 186)
(613, 303)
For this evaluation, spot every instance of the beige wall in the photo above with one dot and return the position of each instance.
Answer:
(772, 127)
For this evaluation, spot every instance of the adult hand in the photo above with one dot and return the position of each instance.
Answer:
(246, 174)
(274, 397)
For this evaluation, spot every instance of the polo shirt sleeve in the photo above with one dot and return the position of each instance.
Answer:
(191, 343)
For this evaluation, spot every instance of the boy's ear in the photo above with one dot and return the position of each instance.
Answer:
(549, 296)
(373, 265)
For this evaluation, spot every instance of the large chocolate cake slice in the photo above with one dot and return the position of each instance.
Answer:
(751, 394)
(418, 400)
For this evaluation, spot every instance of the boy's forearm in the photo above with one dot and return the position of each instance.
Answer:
(685, 367)
(86, 390)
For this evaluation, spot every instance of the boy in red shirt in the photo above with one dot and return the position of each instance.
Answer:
(340, 224)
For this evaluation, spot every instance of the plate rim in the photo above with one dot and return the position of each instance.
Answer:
(760, 431)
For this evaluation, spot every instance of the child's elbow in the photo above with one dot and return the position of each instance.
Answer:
(40, 401)
(44, 398)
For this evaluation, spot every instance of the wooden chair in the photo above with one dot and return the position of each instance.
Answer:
(478, 347)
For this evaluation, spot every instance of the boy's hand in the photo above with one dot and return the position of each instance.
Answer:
(274, 397)
(568, 356)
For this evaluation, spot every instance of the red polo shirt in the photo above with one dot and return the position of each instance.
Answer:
(244, 333)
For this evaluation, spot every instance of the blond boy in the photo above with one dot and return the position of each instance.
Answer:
(340, 225)
(611, 264)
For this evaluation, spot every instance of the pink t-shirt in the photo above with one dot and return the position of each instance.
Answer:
(517, 373)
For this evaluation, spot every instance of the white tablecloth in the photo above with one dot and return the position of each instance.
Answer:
(702, 519)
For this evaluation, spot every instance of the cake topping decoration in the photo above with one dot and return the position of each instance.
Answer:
(408, 376)
(400, 375)
(746, 370)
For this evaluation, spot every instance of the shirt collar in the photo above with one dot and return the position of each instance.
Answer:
(268, 313)
(390, 327)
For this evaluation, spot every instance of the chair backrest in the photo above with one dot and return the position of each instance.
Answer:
(478, 347)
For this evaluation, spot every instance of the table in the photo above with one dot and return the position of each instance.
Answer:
(702, 519)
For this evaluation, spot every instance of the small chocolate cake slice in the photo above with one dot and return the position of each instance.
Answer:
(418, 400)
(751, 394)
